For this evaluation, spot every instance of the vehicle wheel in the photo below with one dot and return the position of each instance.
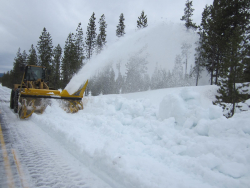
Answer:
(12, 99)
(16, 96)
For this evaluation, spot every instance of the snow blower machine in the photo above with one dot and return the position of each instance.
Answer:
(33, 94)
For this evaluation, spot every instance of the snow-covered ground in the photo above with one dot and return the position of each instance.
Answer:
(163, 138)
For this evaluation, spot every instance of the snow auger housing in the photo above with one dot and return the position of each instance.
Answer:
(33, 94)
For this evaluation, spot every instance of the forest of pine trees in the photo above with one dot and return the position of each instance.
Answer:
(223, 50)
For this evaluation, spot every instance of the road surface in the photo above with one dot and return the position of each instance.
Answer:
(29, 157)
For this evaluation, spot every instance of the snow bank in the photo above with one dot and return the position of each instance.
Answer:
(5, 93)
(163, 138)
(188, 108)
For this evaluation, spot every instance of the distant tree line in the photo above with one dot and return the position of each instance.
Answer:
(62, 63)
(137, 79)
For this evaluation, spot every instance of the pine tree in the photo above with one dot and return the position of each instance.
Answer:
(7, 79)
(136, 69)
(212, 40)
(246, 76)
(119, 81)
(236, 16)
(79, 47)
(156, 82)
(146, 82)
(24, 57)
(188, 13)
(142, 21)
(19, 62)
(56, 63)
(101, 38)
(69, 60)
(199, 59)
(185, 52)
(120, 31)
(32, 57)
(177, 73)
(90, 39)
(108, 80)
(45, 49)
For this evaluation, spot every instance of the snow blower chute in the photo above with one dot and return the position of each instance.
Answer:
(33, 94)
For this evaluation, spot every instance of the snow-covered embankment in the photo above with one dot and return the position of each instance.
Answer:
(163, 138)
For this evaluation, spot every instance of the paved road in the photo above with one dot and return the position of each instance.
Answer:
(9, 176)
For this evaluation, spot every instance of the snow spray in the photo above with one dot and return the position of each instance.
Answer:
(160, 43)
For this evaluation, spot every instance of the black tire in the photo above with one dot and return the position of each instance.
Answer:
(16, 96)
(12, 99)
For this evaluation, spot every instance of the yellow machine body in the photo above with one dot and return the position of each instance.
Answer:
(33, 95)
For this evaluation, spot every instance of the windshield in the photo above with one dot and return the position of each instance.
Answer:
(34, 73)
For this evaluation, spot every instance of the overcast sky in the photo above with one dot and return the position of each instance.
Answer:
(22, 21)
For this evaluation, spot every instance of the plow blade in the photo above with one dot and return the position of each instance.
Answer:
(36, 100)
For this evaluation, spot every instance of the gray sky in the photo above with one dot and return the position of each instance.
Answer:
(22, 21)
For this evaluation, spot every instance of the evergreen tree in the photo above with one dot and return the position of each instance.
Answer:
(79, 47)
(99, 45)
(32, 57)
(185, 52)
(246, 76)
(142, 21)
(156, 80)
(177, 73)
(119, 81)
(169, 80)
(24, 58)
(90, 39)
(196, 71)
(69, 59)
(120, 31)
(136, 69)
(45, 49)
(7, 79)
(146, 82)
(236, 16)
(188, 13)
(212, 41)
(56, 63)
(91, 90)
(97, 85)
(101, 38)
(191, 79)
(108, 81)
(159, 78)
(19, 62)
(199, 59)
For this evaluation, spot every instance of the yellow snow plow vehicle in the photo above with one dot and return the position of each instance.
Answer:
(33, 94)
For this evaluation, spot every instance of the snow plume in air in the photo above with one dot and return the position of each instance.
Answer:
(159, 44)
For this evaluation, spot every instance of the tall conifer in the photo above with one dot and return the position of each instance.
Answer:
(90, 39)
(142, 21)
(57, 54)
(101, 38)
(32, 57)
(79, 47)
(45, 49)
(69, 59)
(120, 28)
(188, 13)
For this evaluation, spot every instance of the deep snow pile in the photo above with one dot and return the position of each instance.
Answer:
(163, 138)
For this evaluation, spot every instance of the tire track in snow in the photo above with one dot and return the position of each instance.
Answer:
(45, 167)
(45, 162)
